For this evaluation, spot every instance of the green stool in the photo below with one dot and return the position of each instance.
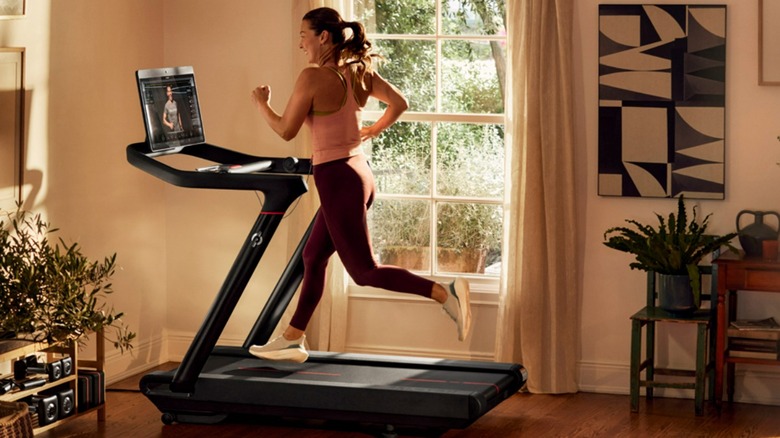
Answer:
(703, 318)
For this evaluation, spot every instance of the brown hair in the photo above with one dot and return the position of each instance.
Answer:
(353, 51)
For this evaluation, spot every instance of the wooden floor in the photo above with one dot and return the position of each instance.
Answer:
(130, 414)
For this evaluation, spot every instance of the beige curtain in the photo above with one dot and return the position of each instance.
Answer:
(538, 315)
(327, 330)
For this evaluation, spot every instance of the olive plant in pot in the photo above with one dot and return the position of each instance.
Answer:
(51, 291)
(673, 249)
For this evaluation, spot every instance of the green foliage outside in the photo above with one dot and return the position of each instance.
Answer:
(469, 157)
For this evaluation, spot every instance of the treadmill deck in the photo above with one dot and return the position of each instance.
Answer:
(402, 391)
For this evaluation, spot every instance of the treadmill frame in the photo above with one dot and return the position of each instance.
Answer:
(184, 394)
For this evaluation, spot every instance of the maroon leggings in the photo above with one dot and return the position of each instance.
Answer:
(346, 189)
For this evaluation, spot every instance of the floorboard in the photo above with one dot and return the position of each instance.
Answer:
(130, 414)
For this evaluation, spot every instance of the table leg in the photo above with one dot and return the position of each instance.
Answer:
(731, 315)
(720, 337)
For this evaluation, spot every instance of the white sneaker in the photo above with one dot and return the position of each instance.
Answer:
(458, 306)
(282, 349)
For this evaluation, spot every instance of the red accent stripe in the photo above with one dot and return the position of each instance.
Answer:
(426, 380)
(484, 384)
(272, 212)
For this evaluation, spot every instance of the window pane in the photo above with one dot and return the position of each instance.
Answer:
(409, 65)
(474, 17)
(401, 159)
(471, 80)
(396, 16)
(400, 232)
(469, 237)
(470, 160)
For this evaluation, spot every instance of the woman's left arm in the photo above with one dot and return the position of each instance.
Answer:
(396, 105)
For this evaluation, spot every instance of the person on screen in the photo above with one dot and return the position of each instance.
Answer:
(171, 116)
(329, 98)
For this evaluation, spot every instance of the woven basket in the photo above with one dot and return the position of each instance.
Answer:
(15, 420)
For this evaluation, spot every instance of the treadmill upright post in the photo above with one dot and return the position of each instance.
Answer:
(225, 302)
(281, 295)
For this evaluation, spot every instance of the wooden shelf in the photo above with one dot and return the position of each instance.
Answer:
(13, 350)
(18, 394)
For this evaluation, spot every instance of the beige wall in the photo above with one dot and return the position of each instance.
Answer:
(176, 245)
(612, 292)
(83, 110)
(232, 49)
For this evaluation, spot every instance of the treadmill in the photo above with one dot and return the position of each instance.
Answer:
(215, 382)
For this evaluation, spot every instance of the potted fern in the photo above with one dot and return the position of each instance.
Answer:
(50, 291)
(673, 249)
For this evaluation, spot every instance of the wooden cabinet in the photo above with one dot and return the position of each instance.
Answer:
(736, 273)
(13, 351)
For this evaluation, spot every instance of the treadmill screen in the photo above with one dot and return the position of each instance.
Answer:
(169, 102)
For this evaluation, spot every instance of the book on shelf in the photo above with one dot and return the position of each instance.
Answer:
(756, 324)
(753, 344)
(753, 348)
(734, 332)
(753, 354)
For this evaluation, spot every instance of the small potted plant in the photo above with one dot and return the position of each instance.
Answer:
(50, 291)
(673, 249)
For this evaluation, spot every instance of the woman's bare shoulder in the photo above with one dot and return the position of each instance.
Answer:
(309, 73)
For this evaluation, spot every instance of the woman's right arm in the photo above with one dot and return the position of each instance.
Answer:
(298, 107)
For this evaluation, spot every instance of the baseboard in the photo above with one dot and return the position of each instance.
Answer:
(144, 356)
(753, 384)
(604, 378)
(179, 343)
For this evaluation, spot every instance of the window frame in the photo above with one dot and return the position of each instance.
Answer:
(480, 282)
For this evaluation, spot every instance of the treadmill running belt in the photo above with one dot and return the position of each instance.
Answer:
(419, 393)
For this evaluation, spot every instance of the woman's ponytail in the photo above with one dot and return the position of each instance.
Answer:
(355, 50)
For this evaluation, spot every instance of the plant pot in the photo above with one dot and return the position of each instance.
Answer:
(408, 257)
(449, 259)
(471, 261)
(675, 293)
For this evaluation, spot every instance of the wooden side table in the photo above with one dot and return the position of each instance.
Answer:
(735, 273)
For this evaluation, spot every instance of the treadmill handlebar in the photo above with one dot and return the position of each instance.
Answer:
(281, 180)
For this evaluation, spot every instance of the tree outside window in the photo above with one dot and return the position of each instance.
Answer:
(439, 170)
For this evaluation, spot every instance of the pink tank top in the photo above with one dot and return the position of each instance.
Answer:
(336, 134)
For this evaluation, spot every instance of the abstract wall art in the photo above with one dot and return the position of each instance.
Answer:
(662, 77)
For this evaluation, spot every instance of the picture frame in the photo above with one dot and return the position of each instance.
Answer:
(662, 100)
(11, 126)
(768, 42)
(10, 9)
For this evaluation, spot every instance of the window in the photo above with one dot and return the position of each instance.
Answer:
(439, 170)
